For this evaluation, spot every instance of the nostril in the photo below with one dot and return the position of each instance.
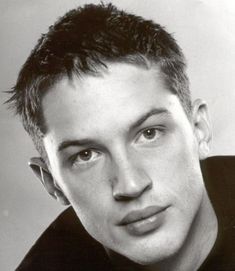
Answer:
(121, 193)
(120, 197)
(129, 181)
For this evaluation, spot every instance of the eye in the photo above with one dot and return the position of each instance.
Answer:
(85, 156)
(149, 135)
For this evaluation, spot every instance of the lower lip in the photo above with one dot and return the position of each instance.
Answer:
(147, 225)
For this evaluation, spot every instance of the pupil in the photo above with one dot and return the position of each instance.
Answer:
(150, 133)
(85, 155)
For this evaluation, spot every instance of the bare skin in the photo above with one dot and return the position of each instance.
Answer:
(119, 146)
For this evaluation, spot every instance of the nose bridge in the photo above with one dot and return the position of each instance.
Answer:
(129, 178)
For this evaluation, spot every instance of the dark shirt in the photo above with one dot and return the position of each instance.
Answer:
(219, 177)
(66, 245)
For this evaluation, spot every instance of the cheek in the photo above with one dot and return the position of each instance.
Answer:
(185, 180)
(90, 196)
(175, 170)
(91, 203)
(90, 191)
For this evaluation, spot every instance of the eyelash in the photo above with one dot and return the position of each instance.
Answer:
(74, 158)
(160, 130)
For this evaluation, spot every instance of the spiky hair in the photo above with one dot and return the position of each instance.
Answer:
(85, 39)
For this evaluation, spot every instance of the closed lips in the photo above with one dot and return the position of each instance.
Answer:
(142, 214)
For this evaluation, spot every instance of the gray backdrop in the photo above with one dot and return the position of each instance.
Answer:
(205, 31)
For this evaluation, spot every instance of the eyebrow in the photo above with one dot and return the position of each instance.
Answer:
(154, 111)
(77, 142)
(84, 142)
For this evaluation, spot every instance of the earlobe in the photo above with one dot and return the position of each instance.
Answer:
(202, 128)
(40, 169)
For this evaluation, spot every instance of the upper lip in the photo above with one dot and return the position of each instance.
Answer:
(138, 215)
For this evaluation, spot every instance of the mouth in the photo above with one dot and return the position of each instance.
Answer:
(144, 221)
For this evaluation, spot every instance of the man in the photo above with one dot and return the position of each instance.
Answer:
(105, 97)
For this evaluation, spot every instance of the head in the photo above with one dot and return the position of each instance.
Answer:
(105, 97)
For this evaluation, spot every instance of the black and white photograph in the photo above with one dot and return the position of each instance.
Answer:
(117, 135)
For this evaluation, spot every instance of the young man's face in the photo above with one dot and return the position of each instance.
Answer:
(124, 153)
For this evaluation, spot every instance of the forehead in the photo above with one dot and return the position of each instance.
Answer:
(93, 104)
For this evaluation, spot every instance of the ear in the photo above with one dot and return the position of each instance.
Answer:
(202, 127)
(42, 172)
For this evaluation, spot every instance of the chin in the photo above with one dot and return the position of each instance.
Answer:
(152, 254)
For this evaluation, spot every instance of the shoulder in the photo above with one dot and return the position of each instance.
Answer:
(65, 245)
(215, 163)
(219, 177)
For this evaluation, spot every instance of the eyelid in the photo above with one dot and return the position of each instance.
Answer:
(72, 159)
(159, 128)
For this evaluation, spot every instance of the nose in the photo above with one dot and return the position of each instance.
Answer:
(130, 181)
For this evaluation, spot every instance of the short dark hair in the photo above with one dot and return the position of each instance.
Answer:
(83, 40)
